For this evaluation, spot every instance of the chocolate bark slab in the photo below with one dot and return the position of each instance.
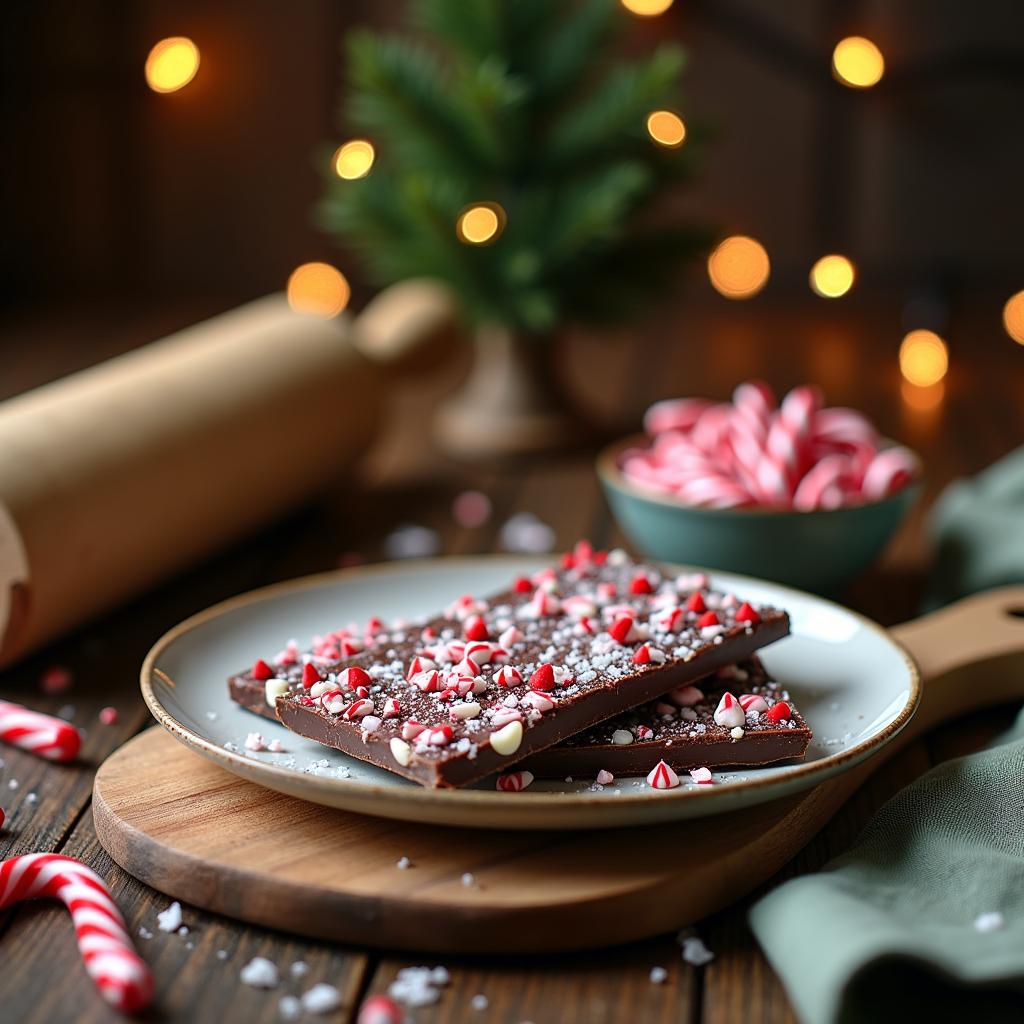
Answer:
(461, 729)
(683, 737)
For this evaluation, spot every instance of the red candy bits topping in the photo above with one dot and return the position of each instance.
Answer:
(521, 585)
(707, 619)
(745, 613)
(261, 671)
(695, 603)
(642, 655)
(476, 628)
(621, 628)
(310, 675)
(778, 712)
(640, 584)
(543, 678)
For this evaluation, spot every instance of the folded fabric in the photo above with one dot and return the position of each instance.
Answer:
(978, 530)
(923, 919)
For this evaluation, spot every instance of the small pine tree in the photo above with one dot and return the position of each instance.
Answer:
(521, 103)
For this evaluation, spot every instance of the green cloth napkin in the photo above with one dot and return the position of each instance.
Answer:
(978, 529)
(893, 930)
(923, 919)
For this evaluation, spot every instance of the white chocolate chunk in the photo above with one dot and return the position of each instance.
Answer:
(401, 751)
(507, 739)
(622, 737)
(275, 688)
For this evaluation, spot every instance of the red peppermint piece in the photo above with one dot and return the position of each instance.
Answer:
(380, 1010)
(778, 712)
(543, 678)
(662, 777)
(310, 675)
(440, 736)
(354, 677)
(640, 584)
(476, 628)
(644, 732)
(521, 585)
(261, 671)
(746, 614)
(568, 561)
(306, 701)
(642, 655)
(621, 628)
(695, 603)
(707, 619)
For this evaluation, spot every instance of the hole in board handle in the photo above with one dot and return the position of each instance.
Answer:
(1017, 613)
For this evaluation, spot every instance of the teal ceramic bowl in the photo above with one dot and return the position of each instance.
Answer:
(816, 551)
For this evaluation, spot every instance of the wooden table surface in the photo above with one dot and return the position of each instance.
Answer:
(850, 351)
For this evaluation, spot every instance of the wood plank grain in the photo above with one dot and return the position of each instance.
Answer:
(611, 986)
(196, 974)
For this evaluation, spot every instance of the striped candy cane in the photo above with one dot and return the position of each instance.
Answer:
(49, 737)
(117, 970)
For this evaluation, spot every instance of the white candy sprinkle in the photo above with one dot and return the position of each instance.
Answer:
(299, 968)
(169, 920)
(289, 1008)
(182, 931)
(736, 733)
(321, 998)
(254, 741)
(412, 541)
(468, 879)
(403, 864)
(604, 777)
(989, 922)
(694, 950)
(222, 954)
(621, 737)
(658, 975)
(259, 972)
(479, 1002)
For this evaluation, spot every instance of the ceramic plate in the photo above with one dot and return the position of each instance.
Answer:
(855, 686)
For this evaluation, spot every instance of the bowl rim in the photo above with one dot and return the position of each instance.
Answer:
(607, 465)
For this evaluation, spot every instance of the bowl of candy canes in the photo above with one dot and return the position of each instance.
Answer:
(790, 491)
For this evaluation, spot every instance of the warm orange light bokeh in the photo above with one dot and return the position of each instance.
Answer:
(647, 8)
(354, 159)
(172, 64)
(924, 358)
(480, 223)
(1013, 317)
(667, 129)
(739, 267)
(832, 276)
(318, 289)
(857, 62)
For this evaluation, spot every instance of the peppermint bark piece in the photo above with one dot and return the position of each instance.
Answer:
(574, 647)
(696, 726)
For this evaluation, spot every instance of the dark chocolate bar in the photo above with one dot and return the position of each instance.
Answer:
(500, 680)
(681, 728)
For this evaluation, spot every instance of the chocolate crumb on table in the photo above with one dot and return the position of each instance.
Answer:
(492, 682)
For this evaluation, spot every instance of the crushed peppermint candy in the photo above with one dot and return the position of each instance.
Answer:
(259, 972)
(694, 950)
(418, 986)
(169, 920)
(658, 975)
(321, 998)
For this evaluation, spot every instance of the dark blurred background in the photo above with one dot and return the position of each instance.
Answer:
(118, 200)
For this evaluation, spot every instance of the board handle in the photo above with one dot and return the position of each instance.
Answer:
(970, 653)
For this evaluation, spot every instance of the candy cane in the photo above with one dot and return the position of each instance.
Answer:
(44, 735)
(118, 971)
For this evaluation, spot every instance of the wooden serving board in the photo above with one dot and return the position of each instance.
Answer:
(192, 830)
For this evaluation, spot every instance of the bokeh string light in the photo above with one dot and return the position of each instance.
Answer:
(647, 8)
(832, 276)
(1013, 317)
(172, 64)
(739, 267)
(924, 358)
(318, 289)
(857, 62)
(353, 159)
(480, 223)
(666, 128)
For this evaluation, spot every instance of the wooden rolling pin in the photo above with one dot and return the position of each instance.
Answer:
(116, 477)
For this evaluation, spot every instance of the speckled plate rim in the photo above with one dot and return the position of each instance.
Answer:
(537, 810)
